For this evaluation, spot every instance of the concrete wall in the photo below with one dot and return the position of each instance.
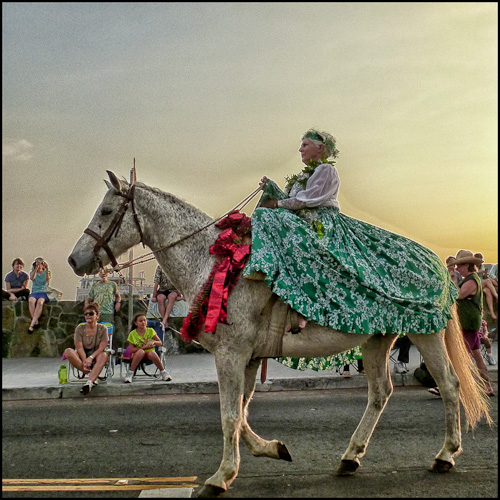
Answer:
(57, 326)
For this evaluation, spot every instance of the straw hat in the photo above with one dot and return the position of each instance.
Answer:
(465, 257)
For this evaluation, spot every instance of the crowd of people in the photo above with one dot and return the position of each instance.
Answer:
(332, 263)
(91, 337)
(16, 287)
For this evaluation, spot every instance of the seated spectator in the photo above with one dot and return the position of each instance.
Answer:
(16, 282)
(164, 291)
(485, 340)
(91, 340)
(40, 275)
(142, 345)
(489, 290)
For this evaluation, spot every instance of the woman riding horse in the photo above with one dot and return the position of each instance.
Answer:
(339, 271)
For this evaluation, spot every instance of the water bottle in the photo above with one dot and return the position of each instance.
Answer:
(63, 374)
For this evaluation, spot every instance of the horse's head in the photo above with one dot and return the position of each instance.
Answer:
(114, 229)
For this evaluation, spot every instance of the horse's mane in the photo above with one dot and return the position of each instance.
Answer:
(187, 208)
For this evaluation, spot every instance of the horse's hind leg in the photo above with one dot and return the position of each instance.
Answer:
(258, 447)
(432, 348)
(376, 364)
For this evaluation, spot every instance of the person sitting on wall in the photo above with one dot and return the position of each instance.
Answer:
(16, 282)
(165, 294)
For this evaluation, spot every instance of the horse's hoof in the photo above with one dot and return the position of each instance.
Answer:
(210, 491)
(348, 467)
(283, 452)
(441, 466)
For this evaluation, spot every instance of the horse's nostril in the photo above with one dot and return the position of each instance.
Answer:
(71, 262)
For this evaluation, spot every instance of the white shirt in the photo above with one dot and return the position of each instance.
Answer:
(321, 190)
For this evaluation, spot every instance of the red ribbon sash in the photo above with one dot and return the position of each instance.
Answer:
(210, 305)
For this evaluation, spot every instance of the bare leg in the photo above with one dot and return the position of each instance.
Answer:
(139, 354)
(489, 301)
(98, 366)
(483, 371)
(37, 312)
(152, 356)
(168, 308)
(73, 357)
(32, 306)
(161, 304)
(489, 284)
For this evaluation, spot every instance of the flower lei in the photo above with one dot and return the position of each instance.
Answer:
(302, 177)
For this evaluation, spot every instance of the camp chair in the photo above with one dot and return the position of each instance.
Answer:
(75, 375)
(124, 359)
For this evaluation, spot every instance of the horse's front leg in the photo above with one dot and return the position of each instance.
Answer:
(376, 365)
(231, 374)
(258, 447)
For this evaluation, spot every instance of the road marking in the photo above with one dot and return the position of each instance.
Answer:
(99, 480)
(103, 487)
(165, 493)
(181, 485)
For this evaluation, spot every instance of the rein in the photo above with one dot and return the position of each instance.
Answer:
(102, 241)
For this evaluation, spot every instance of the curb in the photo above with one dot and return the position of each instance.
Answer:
(112, 389)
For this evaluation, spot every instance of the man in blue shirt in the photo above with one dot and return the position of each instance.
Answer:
(16, 282)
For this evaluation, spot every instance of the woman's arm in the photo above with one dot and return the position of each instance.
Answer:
(321, 186)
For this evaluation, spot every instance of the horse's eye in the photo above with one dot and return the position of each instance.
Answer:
(105, 211)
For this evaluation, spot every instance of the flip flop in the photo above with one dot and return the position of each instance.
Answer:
(31, 329)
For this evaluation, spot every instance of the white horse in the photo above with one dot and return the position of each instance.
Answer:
(130, 214)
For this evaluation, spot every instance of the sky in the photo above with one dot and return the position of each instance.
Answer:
(209, 97)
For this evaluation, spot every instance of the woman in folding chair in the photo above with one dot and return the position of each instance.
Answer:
(91, 340)
(142, 345)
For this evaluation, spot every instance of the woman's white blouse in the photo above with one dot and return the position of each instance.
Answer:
(321, 190)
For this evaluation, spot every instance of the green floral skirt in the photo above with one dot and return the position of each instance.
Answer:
(355, 277)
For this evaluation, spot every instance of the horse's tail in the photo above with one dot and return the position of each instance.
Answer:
(472, 393)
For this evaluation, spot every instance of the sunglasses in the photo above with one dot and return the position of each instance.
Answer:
(91, 313)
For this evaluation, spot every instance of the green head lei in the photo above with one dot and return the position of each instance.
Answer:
(326, 139)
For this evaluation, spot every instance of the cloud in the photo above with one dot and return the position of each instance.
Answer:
(17, 150)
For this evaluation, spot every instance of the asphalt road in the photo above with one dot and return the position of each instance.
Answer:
(180, 436)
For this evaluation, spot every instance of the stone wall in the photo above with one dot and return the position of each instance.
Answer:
(57, 326)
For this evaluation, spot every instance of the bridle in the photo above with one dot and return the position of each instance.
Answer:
(114, 227)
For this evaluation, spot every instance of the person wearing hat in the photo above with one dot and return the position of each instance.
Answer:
(489, 291)
(470, 309)
(454, 274)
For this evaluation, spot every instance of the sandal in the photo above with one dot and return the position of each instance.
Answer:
(31, 329)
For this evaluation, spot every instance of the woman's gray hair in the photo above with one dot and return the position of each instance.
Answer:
(325, 139)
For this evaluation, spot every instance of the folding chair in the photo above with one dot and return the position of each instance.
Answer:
(125, 359)
(76, 376)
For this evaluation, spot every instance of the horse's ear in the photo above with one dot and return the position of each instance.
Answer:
(108, 184)
(116, 183)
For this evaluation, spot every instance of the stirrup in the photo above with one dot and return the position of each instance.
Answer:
(294, 322)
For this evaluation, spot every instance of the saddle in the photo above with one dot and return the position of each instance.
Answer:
(281, 315)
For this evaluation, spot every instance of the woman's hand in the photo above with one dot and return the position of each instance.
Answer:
(271, 203)
(262, 182)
